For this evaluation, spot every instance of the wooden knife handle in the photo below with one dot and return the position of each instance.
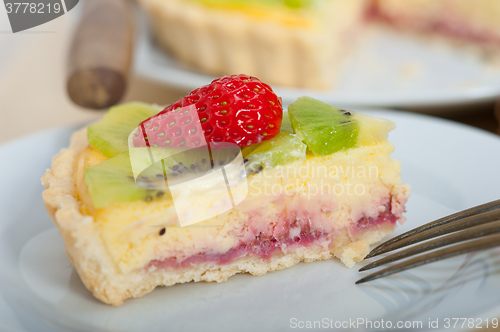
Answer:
(101, 54)
(497, 114)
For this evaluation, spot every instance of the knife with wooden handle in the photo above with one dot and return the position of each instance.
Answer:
(101, 54)
(497, 114)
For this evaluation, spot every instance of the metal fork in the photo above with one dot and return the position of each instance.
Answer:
(477, 226)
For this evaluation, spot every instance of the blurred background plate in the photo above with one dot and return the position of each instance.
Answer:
(388, 69)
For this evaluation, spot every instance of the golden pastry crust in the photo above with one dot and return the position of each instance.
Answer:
(93, 263)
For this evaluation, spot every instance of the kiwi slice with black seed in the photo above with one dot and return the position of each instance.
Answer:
(184, 163)
(110, 135)
(282, 149)
(324, 128)
(113, 181)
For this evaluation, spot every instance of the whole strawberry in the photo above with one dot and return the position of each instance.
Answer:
(237, 109)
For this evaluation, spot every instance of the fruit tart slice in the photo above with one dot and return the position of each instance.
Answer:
(219, 183)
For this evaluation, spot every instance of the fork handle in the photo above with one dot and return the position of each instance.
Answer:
(101, 54)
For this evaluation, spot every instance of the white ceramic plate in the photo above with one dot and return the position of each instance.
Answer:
(388, 69)
(450, 166)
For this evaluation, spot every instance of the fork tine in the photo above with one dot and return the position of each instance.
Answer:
(433, 232)
(459, 249)
(448, 219)
(472, 233)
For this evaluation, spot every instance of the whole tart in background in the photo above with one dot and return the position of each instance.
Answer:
(290, 43)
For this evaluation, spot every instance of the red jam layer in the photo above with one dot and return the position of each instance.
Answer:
(265, 247)
(448, 25)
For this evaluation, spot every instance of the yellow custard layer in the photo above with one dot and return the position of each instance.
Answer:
(288, 12)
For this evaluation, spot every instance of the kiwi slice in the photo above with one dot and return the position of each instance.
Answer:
(286, 125)
(113, 181)
(179, 163)
(110, 135)
(282, 149)
(325, 129)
